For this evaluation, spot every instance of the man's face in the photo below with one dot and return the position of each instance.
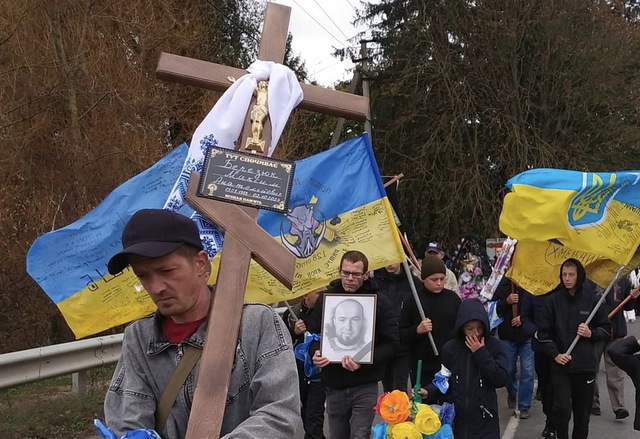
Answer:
(176, 283)
(474, 327)
(570, 276)
(348, 322)
(393, 268)
(434, 283)
(352, 275)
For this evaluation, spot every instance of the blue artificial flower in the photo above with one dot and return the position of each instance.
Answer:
(302, 354)
(445, 432)
(379, 431)
(447, 414)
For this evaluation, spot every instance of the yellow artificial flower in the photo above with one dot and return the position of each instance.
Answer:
(406, 430)
(394, 407)
(426, 420)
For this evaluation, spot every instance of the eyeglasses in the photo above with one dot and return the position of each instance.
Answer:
(355, 275)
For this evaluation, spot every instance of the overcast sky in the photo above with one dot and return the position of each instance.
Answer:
(315, 36)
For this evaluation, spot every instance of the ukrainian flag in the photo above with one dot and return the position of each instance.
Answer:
(535, 266)
(337, 203)
(70, 264)
(592, 212)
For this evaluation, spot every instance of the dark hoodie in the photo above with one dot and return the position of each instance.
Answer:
(560, 319)
(475, 376)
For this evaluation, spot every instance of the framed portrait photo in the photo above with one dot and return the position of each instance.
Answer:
(348, 327)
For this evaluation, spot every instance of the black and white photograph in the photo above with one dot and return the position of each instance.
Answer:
(348, 324)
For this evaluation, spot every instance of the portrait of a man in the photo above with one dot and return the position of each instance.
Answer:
(348, 327)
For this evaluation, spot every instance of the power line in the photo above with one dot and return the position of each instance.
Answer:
(351, 4)
(325, 68)
(331, 20)
(325, 29)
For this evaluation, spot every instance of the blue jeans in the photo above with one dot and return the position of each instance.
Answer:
(522, 387)
(350, 411)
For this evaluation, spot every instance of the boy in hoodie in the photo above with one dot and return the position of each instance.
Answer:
(572, 375)
(440, 307)
(478, 365)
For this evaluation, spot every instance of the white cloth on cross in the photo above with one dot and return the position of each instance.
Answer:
(223, 125)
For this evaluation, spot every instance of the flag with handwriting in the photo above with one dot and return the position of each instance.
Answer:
(337, 203)
(70, 264)
(535, 266)
(592, 212)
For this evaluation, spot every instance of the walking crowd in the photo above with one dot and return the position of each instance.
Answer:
(418, 328)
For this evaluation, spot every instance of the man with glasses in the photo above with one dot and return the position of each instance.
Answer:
(352, 387)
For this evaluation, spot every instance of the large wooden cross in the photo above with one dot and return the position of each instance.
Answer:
(244, 239)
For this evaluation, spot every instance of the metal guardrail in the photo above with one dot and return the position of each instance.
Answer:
(75, 358)
(62, 359)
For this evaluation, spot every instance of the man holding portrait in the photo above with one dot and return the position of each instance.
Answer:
(351, 383)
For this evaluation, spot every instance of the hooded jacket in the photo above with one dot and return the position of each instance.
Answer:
(475, 376)
(385, 345)
(562, 314)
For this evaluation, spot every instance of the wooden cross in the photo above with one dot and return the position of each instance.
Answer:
(244, 239)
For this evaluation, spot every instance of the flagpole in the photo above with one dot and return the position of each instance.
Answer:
(619, 307)
(419, 305)
(291, 310)
(595, 309)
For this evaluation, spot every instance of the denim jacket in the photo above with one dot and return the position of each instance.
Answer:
(263, 398)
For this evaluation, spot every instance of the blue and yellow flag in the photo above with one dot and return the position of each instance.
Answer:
(535, 266)
(592, 212)
(337, 204)
(70, 264)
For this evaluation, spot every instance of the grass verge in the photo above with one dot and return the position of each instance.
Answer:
(49, 410)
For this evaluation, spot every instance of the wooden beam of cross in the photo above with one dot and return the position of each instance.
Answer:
(244, 239)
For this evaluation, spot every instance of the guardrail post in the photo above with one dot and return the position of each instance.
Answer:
(79, 383)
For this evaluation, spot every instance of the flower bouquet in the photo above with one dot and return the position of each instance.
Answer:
(405, 419)
(471, 279)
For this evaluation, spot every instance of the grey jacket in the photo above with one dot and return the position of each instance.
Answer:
(263, 398)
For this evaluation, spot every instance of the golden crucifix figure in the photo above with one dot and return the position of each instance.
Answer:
(259, 113)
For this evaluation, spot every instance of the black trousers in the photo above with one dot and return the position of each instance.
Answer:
(543, 371)
(573, 394)
(312, 395)
(396, 374)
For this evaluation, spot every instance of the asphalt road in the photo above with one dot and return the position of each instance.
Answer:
(604, 426)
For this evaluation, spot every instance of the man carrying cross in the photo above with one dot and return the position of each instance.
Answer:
(164, 250)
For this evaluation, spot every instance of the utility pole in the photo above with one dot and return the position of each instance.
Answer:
(359, 73)
(364, 58)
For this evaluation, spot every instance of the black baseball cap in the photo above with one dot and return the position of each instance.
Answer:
(154, 233)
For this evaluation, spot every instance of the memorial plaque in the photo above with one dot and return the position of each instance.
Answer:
(247, 179)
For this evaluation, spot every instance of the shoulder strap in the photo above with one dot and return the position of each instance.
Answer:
(170, 392)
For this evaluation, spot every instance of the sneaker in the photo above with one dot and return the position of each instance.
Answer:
(511, 402)
(524, 414)
(595, 411)
(621, 413)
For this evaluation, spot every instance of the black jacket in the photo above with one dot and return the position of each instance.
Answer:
(442, 309)
(507, 332)
(475, 376)
(395, 286)
(303, 313)
(618, 293)
(559, 325)
(386, 340)
(622, 354)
